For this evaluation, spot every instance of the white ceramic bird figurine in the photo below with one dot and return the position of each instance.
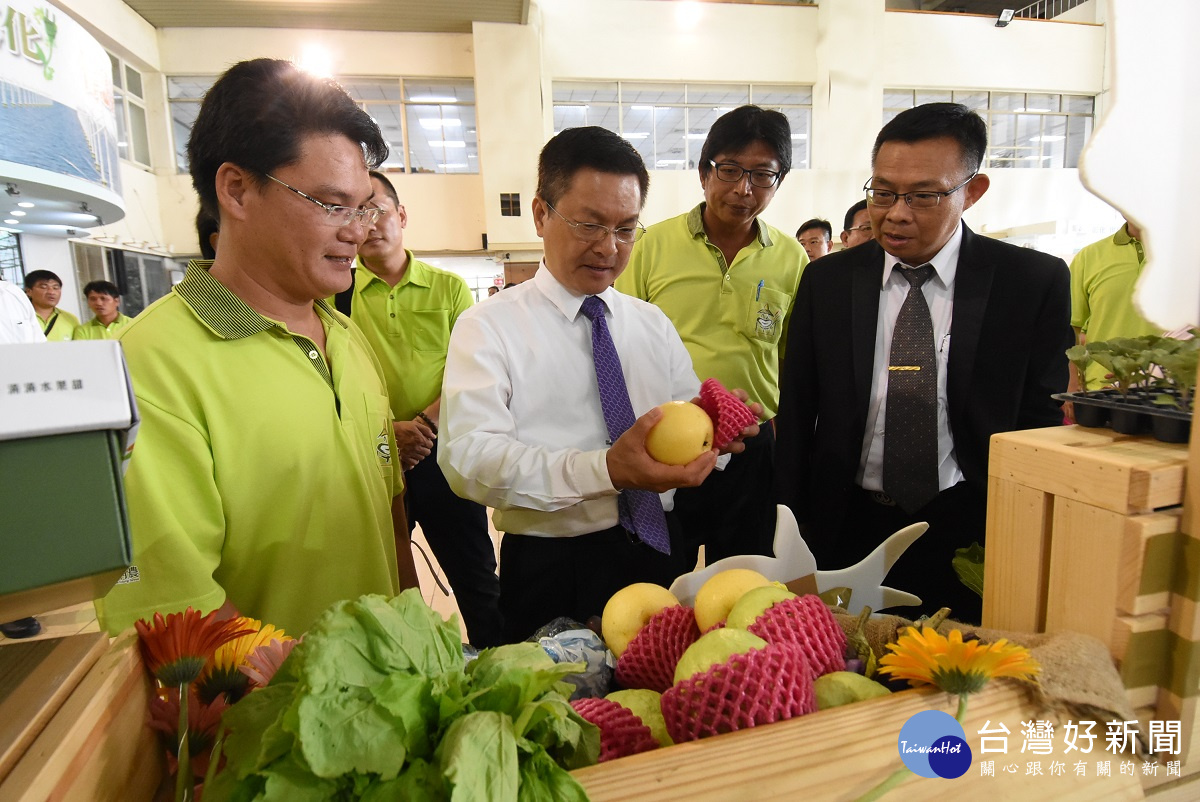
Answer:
(794, 565)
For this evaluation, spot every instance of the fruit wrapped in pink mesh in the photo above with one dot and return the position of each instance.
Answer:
(807, 622)
(649, 660)
(729, 414)
(621, 732)
(759, 687)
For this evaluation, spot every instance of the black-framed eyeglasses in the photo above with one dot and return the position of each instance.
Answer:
(594, 232)
(730, 172)
(336, 215)
(925, 199)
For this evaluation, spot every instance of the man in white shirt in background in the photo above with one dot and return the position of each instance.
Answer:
(523, 427)
(18, 322)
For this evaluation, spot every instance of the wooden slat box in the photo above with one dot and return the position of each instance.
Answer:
(841, 754)
(1083, 534)
(95, 747)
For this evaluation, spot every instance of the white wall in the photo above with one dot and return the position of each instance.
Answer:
(53, 254)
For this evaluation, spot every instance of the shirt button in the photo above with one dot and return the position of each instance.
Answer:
(393, 314)
(727, 278)
(312, 354)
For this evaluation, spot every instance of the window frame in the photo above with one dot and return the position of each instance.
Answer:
(123, 100)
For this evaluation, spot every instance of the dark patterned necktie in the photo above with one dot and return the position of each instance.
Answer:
(910, 445)
(640, 511)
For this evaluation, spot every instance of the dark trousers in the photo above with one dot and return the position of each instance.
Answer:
(957, 516)
(457, 531)
(733, 511)
(542, 578)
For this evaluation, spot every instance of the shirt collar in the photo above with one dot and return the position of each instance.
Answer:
(220, 310)
(695, 224)
(945, 261)
(416, 273)
(563, 299)
(1122, 237)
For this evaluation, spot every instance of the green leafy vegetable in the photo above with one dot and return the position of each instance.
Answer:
(968, 564)
(375, 703)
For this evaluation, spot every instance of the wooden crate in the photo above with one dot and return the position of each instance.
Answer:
(95, 746)
(1085, 532)
(841, 754)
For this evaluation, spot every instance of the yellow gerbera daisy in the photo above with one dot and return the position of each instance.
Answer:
(221, 675)
(922, 656)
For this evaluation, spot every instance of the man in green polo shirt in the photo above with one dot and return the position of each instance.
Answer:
(727, 280)
(104, 299)
(262, 479)
(407, 309)
(44, 289)
(1103, 278)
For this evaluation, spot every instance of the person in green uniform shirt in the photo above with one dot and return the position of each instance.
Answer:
(263, 477)
(104, 299)
(727, 280)
(407, 309)
(44, 289)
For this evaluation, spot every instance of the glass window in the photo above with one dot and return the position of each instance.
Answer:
(1034, 130)
(184, 95)
(668, 122)
(132, 139)
(923, 96)
(442, 139)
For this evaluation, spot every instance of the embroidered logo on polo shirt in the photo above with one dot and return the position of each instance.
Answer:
(383, 451)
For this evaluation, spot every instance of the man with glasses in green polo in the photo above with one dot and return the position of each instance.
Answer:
(263, 479)
(727, 280)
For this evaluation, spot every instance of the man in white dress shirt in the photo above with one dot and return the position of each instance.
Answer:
(523, 429)
(18, 322)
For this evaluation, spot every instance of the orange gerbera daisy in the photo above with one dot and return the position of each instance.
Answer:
(923, 657)
(222, 675)
(176, 648)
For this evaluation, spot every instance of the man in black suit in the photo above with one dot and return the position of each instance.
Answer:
(979, 350)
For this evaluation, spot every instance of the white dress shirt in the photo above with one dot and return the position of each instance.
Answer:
(18, 322)
(522, 429)
(939, 294)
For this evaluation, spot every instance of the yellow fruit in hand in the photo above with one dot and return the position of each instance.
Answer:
(629, 609)
(717, 596)
(683, 433)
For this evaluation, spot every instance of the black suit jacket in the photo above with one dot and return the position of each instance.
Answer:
(1010, 329)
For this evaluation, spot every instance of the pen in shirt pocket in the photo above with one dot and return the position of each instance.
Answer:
(758, 292)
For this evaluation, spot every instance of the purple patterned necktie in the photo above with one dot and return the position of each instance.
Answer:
(640, 511)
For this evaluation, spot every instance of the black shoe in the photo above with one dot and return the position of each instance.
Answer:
(21, 628)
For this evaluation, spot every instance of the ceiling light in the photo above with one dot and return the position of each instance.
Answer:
(641, 108)
(317, 61)
(448, 143)
(25, 205)
(1005, 17)
(13, 222)
(799, 136)
(453, 166)
(669, 162)
(1047, 138)
(635, 135)
(697, 136)
(18, 213)
(435, 122)
(432, 99)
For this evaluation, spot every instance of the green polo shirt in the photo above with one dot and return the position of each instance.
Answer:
(732, 317)
(409, 327)
(95, 330)
(262, 471)
(1103, 277)
(60, 326)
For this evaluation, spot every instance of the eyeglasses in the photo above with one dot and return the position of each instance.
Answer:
(728, 171)
(594, 232)
(863, 227)
(916, 200)
(336, 215)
